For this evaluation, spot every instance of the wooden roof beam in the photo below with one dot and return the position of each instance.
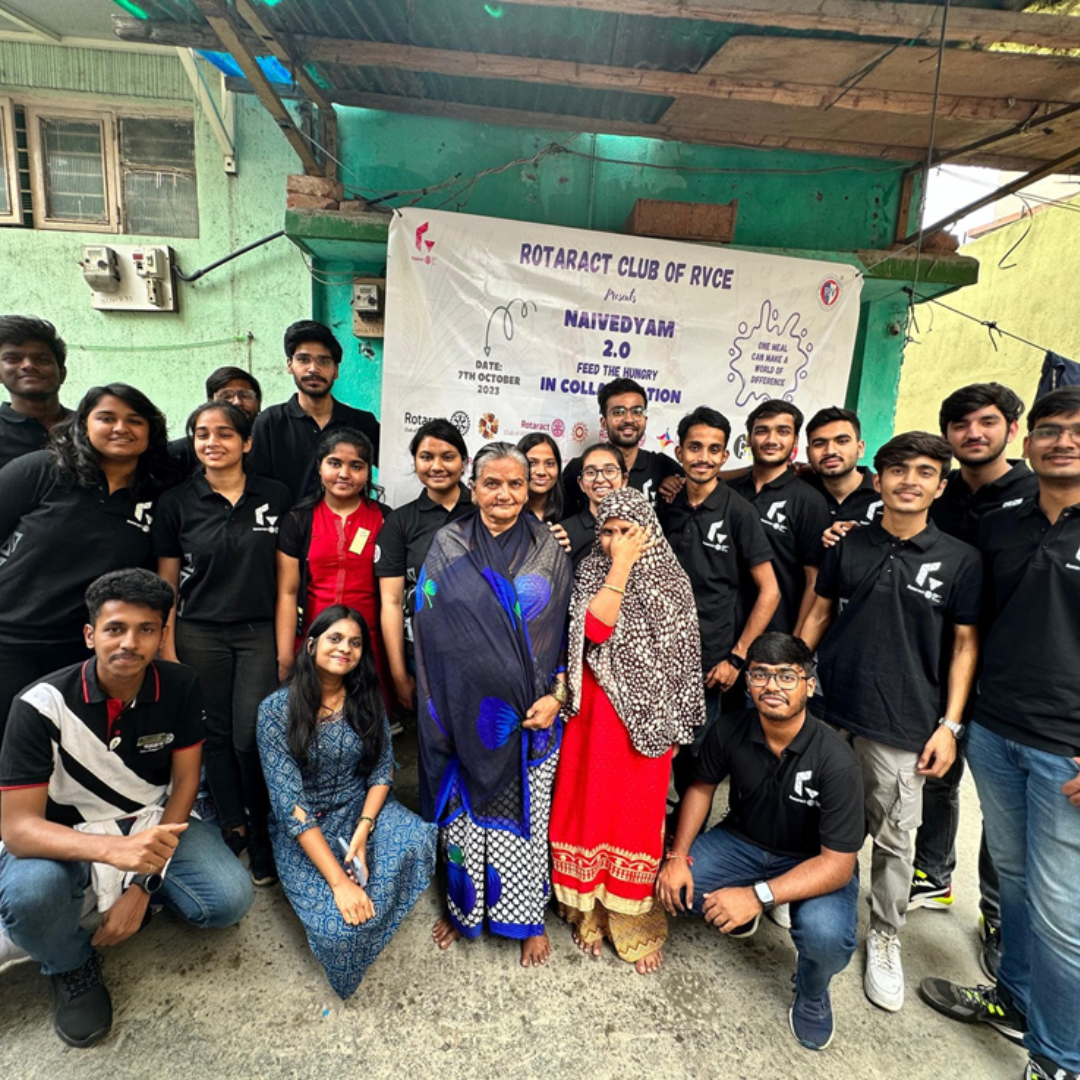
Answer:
(232, 39)
(862, 18)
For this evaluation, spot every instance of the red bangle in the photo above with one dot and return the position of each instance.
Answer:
(679, 855)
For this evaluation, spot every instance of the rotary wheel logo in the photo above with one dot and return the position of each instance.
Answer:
(580, 431)
(558, 428)
(489, 425)
(460, 420)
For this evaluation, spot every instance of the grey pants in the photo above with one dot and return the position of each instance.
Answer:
(894, 792)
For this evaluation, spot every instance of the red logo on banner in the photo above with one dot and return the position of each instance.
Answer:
(489, 425)
(558, 428)
(580, 431)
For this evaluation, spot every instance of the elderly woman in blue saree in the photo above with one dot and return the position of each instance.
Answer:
(489, 628)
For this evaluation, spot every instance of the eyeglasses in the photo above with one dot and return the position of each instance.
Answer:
(786, 679)
(617, 412)
(608, 472)
(324, 362)
(1053, 432)
(236, 395)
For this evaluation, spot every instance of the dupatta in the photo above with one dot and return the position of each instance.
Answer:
(489, 630)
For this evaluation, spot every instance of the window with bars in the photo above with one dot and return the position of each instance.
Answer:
(99, 171)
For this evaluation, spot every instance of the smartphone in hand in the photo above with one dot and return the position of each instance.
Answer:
(357, 866)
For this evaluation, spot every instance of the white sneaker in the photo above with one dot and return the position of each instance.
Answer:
(781, 915)
(10, 953)
(884, 978)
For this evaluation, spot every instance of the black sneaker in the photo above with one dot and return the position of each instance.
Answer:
(990, 951)
(975, 1005)
(926, 892)
(235, 840)
(82, 1008)
(263, 868)
(1042, 1068)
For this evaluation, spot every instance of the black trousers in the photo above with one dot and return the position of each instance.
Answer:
(20, 665)
(237, 666)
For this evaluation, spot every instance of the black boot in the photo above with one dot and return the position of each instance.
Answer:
(82, 1008)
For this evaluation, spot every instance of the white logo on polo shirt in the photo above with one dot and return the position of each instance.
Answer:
(264, 522)
(872, 509)
(1068, 565)
(7, 548)
(804, 793)
(646, 490)
(143, 517)
(927, 585)
(774, 519)
(716, 539)
(1011, 503)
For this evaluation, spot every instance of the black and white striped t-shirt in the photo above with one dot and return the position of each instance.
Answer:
(100, 761)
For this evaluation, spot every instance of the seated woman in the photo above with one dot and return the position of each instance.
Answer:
(326, 549)
(603, 470)
(489, 627)
(324, 741)
(634, 666)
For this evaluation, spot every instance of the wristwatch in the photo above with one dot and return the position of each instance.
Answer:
(149, 883)
(736, 661)
(765, 896)
(956, 729)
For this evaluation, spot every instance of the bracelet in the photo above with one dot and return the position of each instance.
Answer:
(560, 691)
(736, 661)
(364, 817)
(613, 588)
(679, 855)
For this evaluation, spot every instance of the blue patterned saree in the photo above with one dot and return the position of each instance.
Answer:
(489, 629)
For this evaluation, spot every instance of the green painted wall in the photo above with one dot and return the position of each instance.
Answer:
(1026, 300)
(259, 294)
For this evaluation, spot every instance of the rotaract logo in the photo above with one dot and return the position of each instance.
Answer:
(558, 428)
(579, 432)
(424, 245)
(488, 425)
(460, 420)
(828, 292)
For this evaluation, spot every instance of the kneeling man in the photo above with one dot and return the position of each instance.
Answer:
(98, 773)
(791, 835)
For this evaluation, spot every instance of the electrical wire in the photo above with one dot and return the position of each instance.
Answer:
(240, 339)
(991, 325)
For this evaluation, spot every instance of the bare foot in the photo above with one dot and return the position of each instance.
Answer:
(445, 933)
(535, 951)
(594, 950)
(648, 964)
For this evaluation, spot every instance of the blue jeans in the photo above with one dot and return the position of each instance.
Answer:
(41, 900)
(1034, 836)
(822, 928)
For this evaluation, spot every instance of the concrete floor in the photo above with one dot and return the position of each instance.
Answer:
(252, 1002)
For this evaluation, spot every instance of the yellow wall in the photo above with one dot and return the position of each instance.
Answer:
(1035, 299)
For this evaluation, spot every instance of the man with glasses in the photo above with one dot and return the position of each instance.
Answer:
(892, 597)
(285, 436)
(624, 410)
(228, 384)
(1024, 753)
(791, 835)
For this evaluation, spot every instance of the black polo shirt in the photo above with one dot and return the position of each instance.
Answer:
(883, 664)
(581, 531)
(21, 434)
(649, 472)
(716, 543)
(405, 539)
(183, 453)
(959, 509)
(1029, 690)
(284, 438)
(793, 516)
(863, 504)
(55, 538)
(227, 552)
(100, 761)
(809, 797)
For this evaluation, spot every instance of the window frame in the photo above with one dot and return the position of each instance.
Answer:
(109, 118)
(9, 161)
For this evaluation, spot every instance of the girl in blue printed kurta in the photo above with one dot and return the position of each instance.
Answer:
(325, 747)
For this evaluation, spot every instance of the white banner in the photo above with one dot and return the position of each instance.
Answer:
(507, 327)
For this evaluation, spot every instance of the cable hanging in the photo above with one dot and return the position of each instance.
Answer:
(991, 325)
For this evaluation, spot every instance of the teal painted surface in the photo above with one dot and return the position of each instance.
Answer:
(258, 294)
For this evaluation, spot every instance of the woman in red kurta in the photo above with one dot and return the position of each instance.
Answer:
(635, 675)
(326, 549)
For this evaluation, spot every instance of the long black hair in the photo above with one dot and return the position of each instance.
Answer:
(323, 449)
(74, 455)
(363, 701)
(553, 503)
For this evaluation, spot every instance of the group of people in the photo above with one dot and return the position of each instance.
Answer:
(589, 652)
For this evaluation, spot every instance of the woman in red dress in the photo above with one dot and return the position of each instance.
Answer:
(635, 676)
(326, 549)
